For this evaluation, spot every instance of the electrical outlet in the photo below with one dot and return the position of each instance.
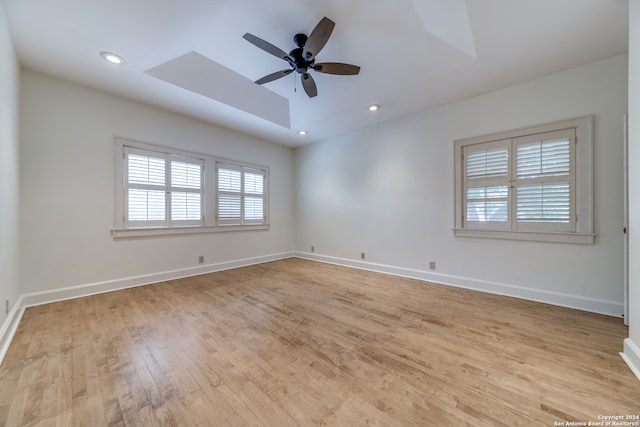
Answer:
(313, 249)
(201, 259)
(6, 306)
(362, 255)
(432, 265)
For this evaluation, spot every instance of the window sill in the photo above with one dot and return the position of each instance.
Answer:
(123, 233)
(532, 236)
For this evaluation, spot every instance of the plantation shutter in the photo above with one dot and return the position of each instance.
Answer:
(162, 189)
(254, 197)
(145, 177)
(545, 184)
(486, 192)
(186, 191)
(229, 195)
(241, 195)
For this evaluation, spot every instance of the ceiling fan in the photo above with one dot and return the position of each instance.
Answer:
(302, 59)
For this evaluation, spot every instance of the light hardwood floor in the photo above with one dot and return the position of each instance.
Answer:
(296, 342)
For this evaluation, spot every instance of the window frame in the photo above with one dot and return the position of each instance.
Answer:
(209, 193)
(582, 175)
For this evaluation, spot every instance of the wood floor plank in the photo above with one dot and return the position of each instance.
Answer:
(295, 342)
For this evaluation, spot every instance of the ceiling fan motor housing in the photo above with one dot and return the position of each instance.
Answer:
(301, 64)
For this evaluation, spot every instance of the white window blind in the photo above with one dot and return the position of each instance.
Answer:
(186, 191)
(487, 204)
(162, 189)
(241, 195)
(146, 206)
(487, 184)
(544, 203)
(145, 181)
(527, 182)
(229, 196)
(545, 190)
(254, 200)
(486, 163)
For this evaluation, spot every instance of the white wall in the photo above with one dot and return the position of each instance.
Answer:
(632, 344)
(388, 191)
(9, 186)
(67, 183)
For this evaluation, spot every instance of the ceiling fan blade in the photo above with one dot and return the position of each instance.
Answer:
(267, 47)
(337, 68)
(273, 76)
(309, 85)
(318, 38)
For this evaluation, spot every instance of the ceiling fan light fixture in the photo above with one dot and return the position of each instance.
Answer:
(113, 58)
(374, 107)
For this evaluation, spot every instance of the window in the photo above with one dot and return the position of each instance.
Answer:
(162, 189)
(530, 184)
(240, 195)
(167, 191)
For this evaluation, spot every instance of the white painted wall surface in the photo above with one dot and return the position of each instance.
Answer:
(632, 344)
(388, 191)
(67, 183)
(9, 172)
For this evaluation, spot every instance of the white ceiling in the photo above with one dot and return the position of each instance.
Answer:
(414, 54)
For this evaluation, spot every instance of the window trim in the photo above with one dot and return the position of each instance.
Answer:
(121, 229)
(583, 175)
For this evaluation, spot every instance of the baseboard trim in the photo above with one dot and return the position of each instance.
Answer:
(61, 294)
(10, 327)
(631, 356)
(609, 308)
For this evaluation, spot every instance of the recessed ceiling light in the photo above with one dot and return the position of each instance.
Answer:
(302, 132)
(113, 58)
(374, 107)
